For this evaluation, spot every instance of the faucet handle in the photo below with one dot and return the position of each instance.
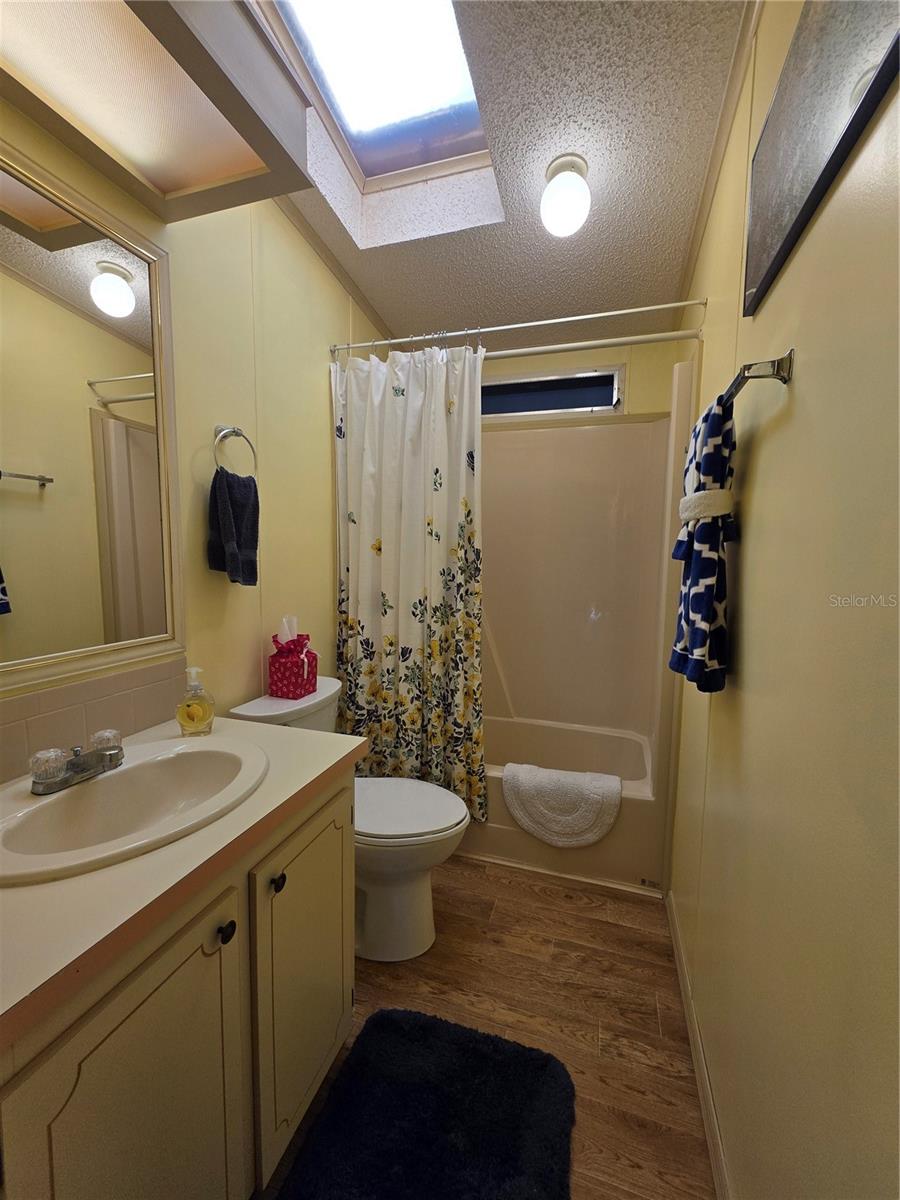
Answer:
(106, 739)
(48, 765)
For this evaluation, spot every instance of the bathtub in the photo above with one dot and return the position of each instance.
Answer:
(630, 854)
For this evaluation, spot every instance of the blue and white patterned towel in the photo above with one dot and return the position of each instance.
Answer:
(5, 606)
(700, 650)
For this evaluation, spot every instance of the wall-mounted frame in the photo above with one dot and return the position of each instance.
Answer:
(69, 666)
(841, 62)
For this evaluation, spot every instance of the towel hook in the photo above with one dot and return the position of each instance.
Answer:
(226, 431)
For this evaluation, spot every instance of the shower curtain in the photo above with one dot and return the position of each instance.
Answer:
(409, 557)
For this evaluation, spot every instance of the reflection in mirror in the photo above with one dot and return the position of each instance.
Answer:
(82, 556)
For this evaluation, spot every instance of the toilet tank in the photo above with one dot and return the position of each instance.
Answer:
(317, 711)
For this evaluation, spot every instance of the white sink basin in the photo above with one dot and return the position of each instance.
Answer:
(163, 791)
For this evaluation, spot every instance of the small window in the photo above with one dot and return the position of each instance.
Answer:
(580, 393)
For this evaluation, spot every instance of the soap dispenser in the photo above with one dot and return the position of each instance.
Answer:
(197, 710)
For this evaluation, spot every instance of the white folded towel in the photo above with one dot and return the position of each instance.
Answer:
(562, 808)
(714, 502)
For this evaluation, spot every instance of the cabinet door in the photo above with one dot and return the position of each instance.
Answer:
(142, 1097)
(302, 908)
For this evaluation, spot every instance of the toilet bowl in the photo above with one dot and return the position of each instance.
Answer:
(403, 829)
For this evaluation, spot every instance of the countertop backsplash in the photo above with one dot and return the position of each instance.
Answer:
(66, 716)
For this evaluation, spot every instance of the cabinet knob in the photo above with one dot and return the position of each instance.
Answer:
(279, 881)
(227, 932)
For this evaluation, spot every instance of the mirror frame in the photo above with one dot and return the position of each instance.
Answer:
(71, 666)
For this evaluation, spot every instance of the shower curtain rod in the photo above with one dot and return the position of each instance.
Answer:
(637, 339)
(106, 401)
(479, 330)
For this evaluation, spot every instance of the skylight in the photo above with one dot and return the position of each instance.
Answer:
(395, 76)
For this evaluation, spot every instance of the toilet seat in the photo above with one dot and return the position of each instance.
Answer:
(407, 810)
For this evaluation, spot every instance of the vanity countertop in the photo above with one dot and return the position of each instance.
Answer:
(56, 936)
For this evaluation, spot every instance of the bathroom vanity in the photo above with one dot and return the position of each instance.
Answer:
(166, 1020)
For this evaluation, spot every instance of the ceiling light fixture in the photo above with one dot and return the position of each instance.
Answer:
(566, 201)
(111, 290)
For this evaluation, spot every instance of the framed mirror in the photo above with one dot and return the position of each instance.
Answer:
(86, 439)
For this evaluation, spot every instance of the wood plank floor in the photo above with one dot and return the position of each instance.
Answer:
(588, 974)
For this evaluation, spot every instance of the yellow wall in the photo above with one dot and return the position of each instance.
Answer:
(47, 352)
(254, 311)
(785, 846)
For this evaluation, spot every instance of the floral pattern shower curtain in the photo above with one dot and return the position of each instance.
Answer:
(409, 589)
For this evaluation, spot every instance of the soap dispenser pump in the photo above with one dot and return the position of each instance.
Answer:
(197, 710)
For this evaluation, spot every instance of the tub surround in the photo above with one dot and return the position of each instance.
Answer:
(628, 856)
(60, 936)
(596, 696)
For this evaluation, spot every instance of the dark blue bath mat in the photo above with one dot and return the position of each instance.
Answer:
(426, 1110)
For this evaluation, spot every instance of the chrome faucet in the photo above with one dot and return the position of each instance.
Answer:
(54, 770)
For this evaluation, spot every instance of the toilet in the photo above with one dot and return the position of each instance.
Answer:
(404, 828)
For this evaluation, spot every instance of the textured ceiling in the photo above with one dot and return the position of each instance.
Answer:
(67, 274)
(636, 88)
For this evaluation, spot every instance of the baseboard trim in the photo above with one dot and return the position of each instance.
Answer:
(616, 885)
(704, 1085)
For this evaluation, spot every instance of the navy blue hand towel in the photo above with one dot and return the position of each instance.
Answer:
(233, 526)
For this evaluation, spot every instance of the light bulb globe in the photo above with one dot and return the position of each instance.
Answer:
(566, 200)
(111, 290)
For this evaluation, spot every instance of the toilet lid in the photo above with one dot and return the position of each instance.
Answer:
(401, 808)
(275, 710)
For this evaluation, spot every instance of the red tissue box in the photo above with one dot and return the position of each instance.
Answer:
(293, 668)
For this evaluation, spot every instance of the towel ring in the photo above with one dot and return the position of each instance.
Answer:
(226, 431)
